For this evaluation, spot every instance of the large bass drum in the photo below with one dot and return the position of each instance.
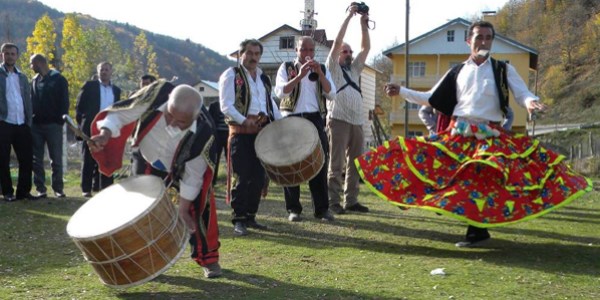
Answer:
(129, 232)
(290, 150)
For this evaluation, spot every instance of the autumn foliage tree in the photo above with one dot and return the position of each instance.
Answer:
(42, 41)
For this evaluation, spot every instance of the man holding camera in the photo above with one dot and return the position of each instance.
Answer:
(303, 87)
(345, 114)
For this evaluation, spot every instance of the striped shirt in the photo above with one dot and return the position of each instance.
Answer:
(347, 105)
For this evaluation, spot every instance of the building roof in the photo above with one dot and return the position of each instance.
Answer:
(212, 84)
(533, 53)
(318, 35)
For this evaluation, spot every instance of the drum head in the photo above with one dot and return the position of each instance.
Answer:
(116, 206)
(286, 141)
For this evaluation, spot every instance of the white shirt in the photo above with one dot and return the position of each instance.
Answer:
(476, 92)
(16, 110)
(258, 96)
(107, 98)
(158, 147)
(308, 91)
(348, 104)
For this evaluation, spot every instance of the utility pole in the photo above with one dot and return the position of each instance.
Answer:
(406, 71)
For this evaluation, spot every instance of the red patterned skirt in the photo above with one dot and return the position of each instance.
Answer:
(489, 182)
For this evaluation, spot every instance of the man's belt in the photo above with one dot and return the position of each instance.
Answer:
(239, 129)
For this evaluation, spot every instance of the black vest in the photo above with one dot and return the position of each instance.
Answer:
(242, 94)
(192, 144)
(444, 99)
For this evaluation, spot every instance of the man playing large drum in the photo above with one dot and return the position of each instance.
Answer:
(172, 138)
(246, 102)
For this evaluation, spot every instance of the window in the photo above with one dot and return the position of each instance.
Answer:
(416, 69)
(450, 35)
(413, 106)
(414, 133)
(466, 35)
(286, 42)
(201, 89)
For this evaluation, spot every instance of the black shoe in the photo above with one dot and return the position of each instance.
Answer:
(10, 198)
(358, 208)
(256, 225)
(239, 229)
(327, 216)
(337, 209)
(86, 194)
(60, 194)
(27, 196)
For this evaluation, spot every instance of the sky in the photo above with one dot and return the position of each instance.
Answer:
(222, 24)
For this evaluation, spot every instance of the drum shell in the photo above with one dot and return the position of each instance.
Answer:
(140, 250)
(290, 165)
(295, 174)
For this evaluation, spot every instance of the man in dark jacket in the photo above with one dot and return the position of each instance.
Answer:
(95, 95)
(50, 101)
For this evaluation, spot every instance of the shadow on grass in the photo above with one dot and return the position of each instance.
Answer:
(248, 286)
(43, 224)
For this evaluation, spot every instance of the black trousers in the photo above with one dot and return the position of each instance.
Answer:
(221, 137)
(90, 177)
(317, 185)
(476, 233)
(19, 137)
(248, 177)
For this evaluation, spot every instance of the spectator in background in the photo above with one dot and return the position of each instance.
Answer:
(50, 100)
(15, 124)
(146, 80)
(345, 117)
(94, 96)
(221, 134)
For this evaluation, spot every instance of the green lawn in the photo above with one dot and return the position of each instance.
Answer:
(385, 254)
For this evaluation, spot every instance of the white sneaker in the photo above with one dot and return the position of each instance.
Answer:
(294, 217)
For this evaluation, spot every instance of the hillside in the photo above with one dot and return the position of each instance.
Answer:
(567, 36)
(189, 61)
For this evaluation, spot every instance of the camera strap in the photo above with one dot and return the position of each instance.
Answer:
(349, 82)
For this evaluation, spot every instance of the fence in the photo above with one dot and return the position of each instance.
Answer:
(581, 147)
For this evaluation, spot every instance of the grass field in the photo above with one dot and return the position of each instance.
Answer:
(385, 254)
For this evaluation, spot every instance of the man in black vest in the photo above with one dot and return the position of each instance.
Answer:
(246, 102)
(95, 96)
(174, 139)
(467, 86)
(303, 87)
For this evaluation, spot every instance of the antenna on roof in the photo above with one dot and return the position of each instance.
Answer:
(309, 23)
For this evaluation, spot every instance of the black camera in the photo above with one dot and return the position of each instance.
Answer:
(362, 8)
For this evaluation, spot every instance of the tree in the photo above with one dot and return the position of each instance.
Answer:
(75, 57)
(42, 41)
(144, 55)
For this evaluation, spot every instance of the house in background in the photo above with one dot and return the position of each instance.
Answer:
(435, 52)
(279, 46)
(209, 91)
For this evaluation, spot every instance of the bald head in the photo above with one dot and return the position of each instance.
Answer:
(183, 106)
